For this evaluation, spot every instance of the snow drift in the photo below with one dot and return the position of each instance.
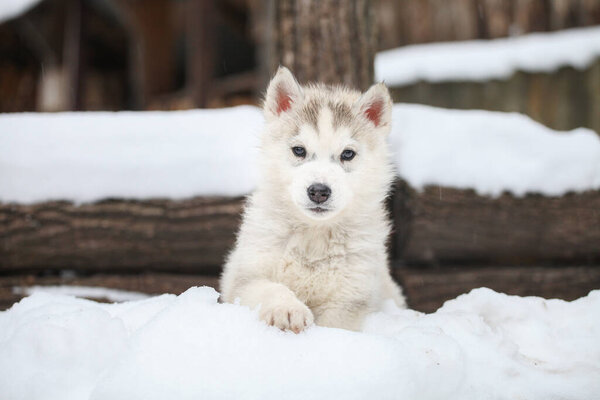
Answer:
(482, 60)
(86, 157)
(480, 345)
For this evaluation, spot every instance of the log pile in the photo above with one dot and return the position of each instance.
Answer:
(445, 242)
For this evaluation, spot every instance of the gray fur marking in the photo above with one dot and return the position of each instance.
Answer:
(342, 114)
(310, 113)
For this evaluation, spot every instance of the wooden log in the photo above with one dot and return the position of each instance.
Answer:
(11, 287)
(451, 226)
(427, 289)
(155, 235)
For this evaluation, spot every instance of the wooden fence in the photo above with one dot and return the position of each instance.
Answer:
(562, 100)
(425, 21)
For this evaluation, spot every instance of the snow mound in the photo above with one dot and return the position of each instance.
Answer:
(10, 9)
(480, 345)
(481, 60)
(86, 157)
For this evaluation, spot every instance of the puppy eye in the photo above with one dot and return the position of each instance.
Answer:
(347, 155)
(299, 151)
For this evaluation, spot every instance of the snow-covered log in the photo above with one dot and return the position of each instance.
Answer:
(552, 77)
(58, 170)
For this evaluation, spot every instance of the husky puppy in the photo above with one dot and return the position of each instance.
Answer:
(311, 248)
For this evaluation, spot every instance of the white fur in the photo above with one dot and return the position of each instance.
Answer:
(298, 265)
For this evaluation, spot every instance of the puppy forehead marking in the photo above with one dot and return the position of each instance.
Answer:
(310, 112)
(342, 114)
(313, 108)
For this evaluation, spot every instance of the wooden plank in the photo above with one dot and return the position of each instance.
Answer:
(428, 289)
(190, 235)
(150, 283)
(201, 32)
(72, 53)
(444, 225)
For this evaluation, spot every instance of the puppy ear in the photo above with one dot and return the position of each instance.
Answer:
(283, 92)
(376, 105)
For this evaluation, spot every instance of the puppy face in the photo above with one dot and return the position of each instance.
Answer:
(324, 149)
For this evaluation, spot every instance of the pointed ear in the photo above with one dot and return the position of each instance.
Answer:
(376, 105)
(283, 92)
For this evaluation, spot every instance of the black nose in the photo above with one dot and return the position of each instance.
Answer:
(319, 193)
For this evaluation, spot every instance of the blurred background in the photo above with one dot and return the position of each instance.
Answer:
(114, 55)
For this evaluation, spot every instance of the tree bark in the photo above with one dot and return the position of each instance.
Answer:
(119, 235)
(449, 226)
(321, 40)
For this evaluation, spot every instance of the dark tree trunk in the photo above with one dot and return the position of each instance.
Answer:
(201, 33)
(327, 41)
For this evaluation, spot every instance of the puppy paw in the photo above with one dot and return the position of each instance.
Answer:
(292, 316)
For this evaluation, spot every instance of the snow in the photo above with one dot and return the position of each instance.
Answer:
(91, 156)
(89, 292)
(481, 345)
(84, 157)
(482, 60)
(10, 9)
(492, 152)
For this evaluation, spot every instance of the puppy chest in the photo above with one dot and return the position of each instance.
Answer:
(318, 281)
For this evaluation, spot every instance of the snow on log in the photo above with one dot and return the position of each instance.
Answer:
(86, 157)
(482, 60)
(162, 190)
(90, 156)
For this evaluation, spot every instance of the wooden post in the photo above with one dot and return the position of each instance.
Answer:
(152, 56)
(73, 54)
(201, 51)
